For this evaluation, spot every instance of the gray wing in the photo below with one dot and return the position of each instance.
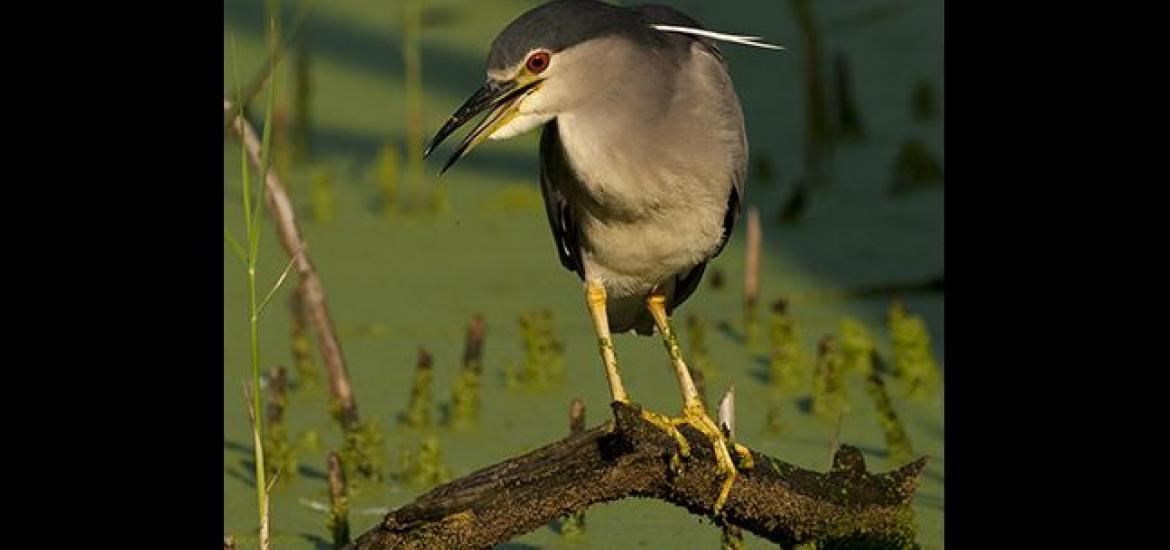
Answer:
(666, 15)
(739, 163)
(734, 201)
(554, 168)
(687, 283)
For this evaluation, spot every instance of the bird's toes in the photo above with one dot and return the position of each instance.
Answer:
(667, 425)
(745, 462)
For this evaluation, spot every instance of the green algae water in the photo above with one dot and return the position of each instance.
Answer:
(394, 286)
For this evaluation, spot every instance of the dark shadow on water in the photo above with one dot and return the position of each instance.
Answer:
(237, 447)
(318, 542)
(247, 479)
(761, 370)
(517, 546)
(377, 52)
(730, 332)
(303, 470)
(310, 472)
(804, 404)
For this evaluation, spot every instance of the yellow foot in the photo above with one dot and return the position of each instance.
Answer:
(746, 462)
(697, 417)
(667, 425)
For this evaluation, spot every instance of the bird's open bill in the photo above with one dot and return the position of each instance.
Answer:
(502, 97)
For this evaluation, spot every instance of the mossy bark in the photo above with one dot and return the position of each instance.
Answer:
(846, 507)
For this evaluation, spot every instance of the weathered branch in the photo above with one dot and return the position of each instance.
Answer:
(629, 457)
(294, 244)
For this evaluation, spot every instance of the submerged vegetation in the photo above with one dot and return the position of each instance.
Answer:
(544, 355)
(858, 347)
(302, 347)
(829, 396)
(418, 410)
(913, 359)
(463, 411)
(423, 466)
(897, 442)
(363, 453)
(279, 454)
(786, 370)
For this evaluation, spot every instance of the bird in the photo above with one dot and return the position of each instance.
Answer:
(643, 161)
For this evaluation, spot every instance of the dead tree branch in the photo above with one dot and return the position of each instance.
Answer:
(847, 507)
(294, 244)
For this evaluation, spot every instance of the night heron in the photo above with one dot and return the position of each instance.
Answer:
(643, 157)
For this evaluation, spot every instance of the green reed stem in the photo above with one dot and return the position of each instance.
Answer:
(252, 216)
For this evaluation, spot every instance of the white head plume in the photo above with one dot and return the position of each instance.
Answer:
(753, 41)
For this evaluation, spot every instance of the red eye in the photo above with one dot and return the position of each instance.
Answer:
(538, 62)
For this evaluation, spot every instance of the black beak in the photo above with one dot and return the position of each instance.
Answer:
(490, 96)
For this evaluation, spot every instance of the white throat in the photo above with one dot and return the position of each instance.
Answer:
(521, 124)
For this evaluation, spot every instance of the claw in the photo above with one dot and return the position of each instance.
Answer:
(745, 462)
(697, 418)
(667, 425)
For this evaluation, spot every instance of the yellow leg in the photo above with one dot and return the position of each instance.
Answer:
(693, 413)
(595, 299)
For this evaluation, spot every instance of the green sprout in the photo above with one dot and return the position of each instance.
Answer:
(424, 467)
(418, 412)
(914, 362)
(897, 442)
(858, 347)
(829, 399)
(774, 416)
(302, 346)
(279, 452)
(544, 361)
(463, 411)
(786, 370)
(363, 453)
(465, 400)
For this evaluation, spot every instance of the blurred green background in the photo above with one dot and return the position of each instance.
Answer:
(873, 216)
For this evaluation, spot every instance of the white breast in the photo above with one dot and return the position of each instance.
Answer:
(655, 181)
